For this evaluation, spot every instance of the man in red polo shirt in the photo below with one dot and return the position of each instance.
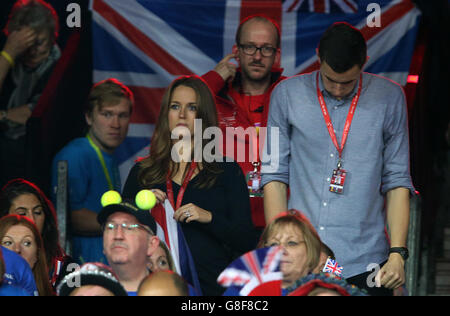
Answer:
(243, 95)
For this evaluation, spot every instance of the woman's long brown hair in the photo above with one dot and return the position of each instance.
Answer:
(155, 167)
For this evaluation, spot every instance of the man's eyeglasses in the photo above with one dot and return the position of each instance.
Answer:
(249, 49)
(128, 228)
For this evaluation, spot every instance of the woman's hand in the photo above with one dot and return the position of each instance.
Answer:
(191, 212)
(161, 196)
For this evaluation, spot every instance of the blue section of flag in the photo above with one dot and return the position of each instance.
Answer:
(199, 21)
(110, 55)
(311, 26)
(398, 59)
(187, 265)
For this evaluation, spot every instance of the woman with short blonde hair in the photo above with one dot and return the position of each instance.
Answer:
(300, 242)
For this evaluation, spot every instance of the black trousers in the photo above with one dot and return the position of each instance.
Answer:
(366, 280)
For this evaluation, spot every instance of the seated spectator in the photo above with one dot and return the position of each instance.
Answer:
(92, 167)
(27, 58)
(300, 242)
(161, 259)
(324, 284)
(163, 283)
(24, 198)
(214, 212)
(128, 241)
(16, 277)
(19, 234)
(91, 279)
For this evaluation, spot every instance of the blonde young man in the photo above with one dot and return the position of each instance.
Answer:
(92, 169)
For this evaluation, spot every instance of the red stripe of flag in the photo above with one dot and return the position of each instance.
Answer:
(144, 43)
(293, 5)
(354, 9)
(319, 6)
(271, 9)
(387, 18)
(159, 214)
(149, 100)
(252, 264)
(270, 258)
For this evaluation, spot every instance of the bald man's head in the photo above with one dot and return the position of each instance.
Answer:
(163, 283)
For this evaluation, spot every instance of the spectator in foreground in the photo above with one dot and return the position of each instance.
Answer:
(163, 283)
(91, 279)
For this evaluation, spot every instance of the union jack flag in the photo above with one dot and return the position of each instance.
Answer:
(170, 231)
(254, 273)
(321, 6)
(146, 44)
(333, 267)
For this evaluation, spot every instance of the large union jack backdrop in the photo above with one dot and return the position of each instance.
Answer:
(147, 43)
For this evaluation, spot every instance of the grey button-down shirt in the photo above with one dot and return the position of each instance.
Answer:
(376, 158)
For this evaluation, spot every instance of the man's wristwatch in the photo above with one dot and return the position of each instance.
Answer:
(403, 251)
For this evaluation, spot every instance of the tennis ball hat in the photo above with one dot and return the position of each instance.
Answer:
(125, 206)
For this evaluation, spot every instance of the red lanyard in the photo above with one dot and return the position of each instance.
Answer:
(348, 121)
(169, 186)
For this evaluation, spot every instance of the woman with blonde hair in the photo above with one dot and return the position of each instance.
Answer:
(161, 259)
(300, 241)
(19, 234)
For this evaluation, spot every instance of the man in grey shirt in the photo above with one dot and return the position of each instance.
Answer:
(342, 150)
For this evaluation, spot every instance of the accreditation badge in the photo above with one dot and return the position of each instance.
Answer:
(338, 180)
(254, 182)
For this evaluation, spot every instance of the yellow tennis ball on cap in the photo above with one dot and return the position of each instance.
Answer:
(145, 199)
(111, 197)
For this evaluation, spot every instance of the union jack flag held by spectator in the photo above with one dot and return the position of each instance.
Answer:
(169, 231)
(255, 273)
(332, 266)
